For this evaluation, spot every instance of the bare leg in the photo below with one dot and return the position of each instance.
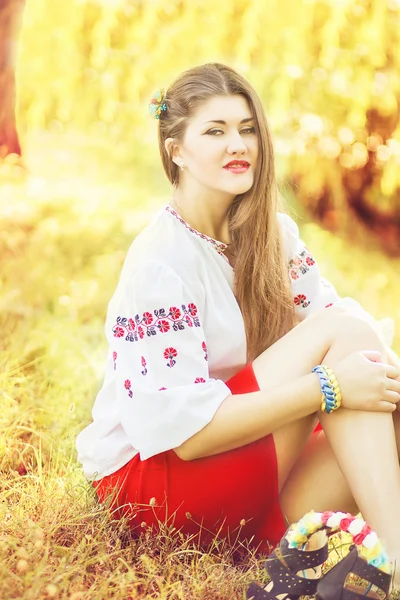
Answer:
(396, 421)
(363, 443)
(318, 466)
(316, 482)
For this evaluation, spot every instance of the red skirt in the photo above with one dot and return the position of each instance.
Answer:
(233, 494)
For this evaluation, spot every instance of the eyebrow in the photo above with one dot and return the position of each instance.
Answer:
(224, 122)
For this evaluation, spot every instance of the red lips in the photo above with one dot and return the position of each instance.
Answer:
(237, 163)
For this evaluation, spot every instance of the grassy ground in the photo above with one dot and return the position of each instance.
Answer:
(64, 232)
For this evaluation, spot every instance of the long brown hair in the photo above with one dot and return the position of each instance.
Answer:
(261, 283)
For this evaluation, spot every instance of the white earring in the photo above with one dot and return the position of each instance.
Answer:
(182, 165)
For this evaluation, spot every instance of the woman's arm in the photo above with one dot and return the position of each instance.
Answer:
(245, 418)
(392, 358)
(365, 383)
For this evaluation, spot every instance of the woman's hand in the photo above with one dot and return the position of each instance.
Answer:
(393, 360)
(366, 383)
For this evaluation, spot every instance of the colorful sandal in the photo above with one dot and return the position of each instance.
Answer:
(367, 560)
(333, 585)
(282, 566)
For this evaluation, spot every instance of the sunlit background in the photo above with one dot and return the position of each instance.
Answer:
(80, 175)
(327, 71)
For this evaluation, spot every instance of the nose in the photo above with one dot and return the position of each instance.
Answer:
(236, 144)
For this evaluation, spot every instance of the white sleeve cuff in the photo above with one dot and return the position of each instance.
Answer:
(161, 420)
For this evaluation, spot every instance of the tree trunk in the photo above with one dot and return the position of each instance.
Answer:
(11, 12)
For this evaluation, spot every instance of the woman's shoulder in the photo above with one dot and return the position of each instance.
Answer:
(287, 224)
(158, 238)
(160, 255)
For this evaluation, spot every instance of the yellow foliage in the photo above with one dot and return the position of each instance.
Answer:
(96, 62)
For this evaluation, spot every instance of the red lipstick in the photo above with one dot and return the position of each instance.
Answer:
(237, 166)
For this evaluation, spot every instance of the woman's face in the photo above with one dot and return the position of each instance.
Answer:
(220, 146)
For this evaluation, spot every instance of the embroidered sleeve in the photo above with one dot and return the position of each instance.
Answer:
(159, 354)
(311, 291)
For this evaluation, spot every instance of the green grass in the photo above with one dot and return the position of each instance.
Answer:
(64, 232)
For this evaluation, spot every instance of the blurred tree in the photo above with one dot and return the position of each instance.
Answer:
(346, 156)
(328, 72)
(10, 22)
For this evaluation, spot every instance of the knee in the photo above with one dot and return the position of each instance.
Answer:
(355, 324)
(344, 322)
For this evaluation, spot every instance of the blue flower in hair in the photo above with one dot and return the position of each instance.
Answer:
(157, 103)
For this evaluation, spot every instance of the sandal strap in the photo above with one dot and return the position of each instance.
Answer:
(299, 560)
(256, 592)
(331, 584)
(350, 595)
(285, 580)
(283, 564)
(372, 574)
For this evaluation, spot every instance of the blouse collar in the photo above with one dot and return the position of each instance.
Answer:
(220, 247)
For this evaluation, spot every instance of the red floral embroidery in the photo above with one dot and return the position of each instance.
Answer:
(163, 326)
(175, 313)
(115, 360)
(147, 318)
(161, 389)
(127, 385)
(192, 308)
(300, 264)
(328, 305)
(144, 371)
(159, 322)
(199, 380)
(301, 300)
(170, 354)
(204, 346)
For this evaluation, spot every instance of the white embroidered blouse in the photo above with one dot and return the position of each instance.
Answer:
(176, 335)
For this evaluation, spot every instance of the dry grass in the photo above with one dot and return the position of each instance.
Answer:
(64, 231)
(57, 542)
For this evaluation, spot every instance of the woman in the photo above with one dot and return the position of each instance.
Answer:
(209, 401)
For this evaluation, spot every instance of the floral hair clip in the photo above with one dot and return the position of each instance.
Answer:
(157, 103)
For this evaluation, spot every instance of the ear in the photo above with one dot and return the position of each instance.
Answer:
(173, 151)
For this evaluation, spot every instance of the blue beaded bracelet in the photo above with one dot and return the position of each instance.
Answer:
(331, 395)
